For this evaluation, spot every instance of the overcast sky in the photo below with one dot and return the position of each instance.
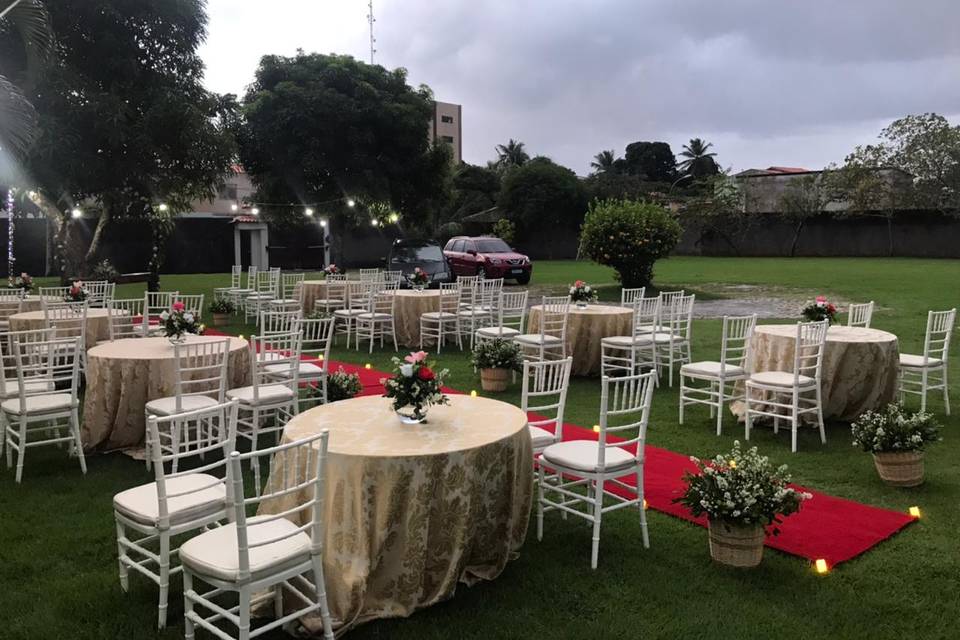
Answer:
(769, 83)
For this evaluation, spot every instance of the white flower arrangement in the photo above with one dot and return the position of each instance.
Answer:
(892, 429)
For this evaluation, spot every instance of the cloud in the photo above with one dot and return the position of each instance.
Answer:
(768, 83)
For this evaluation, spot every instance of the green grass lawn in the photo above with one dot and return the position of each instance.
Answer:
(57, 550)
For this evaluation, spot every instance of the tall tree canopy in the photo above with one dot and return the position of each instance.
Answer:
(325, 128)
(654, 161)
(512, 154)
(698, 162)
(125, 120)
(604, 162)
(473, 189)
(542, 195)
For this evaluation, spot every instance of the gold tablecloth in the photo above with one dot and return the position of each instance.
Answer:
(410, 305)
(122, 376)
(586, 326)
(31, 303)
(860, 366)
(98, 324)
(413, 510)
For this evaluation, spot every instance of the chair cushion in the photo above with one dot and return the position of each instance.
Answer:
(534, 338)
(328, 301)
(911, 360)
(540, 437)
(625, 341)
(498, 332)
(366, 315)
(779, 379)
(581, 455)
(305, 369)
(168, 406)
(46, 403)
(11, 387)
(214, 553)
(141, 503)
(438, 315)
(711, 369)
(473, 312)
(268, 393)
(348, 313)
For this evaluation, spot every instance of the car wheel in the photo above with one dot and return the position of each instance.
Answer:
(524, 279)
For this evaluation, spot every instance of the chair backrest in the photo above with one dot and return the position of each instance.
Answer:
(268, 283)
(275, 359)
(236, 275)
(10, 303)
(627, 296)
(192, 303)
(298, 471)
(860, 315)
(201, 370)
(677, 317)
(211, 430)
(667, 297)
(291, 284)
(53, 293)
(386, 285)
(336, 293)
(335, 277)
(278, 321)
(56, 361)
(936, 342)
(512, 309)
(384, 301)
(368, 275)
(625, 406)
(316, 338)
(99, 292)
(735, 342)
(393, 276)
(70, 319)
(155, 303)
(490, 289)
(808, 353)
(544, 392)
(252, 278)
(125, 316)
(554, 311)
(449, 297)
(8, 355)
(360, 294)
(469, 286)
(646, 315)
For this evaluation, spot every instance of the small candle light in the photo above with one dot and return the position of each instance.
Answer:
(915, 512)
(821, 566)
(596, 428)
(473, 393)
(320, 357)
(240, 336)
(645, 503)
(368, 366)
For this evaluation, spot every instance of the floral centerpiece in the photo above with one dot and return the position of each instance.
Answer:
(332, 270)
(76, 293)
(496, 359)
(820, 309)
(582, 293)
(178, 321)
(741, 494)
(23, 282)
(418, 279)
(342, 385)
(896, 438)
(415, 387)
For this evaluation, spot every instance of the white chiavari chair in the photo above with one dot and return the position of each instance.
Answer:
(437, 325)
(268, 288)
(274, 364)
(99, 293)
(126, 318)
(469, 286)
(154, 304)
(335, 295)
(920, 374)
(544, 393)
(238, 295)
(316, 340)
(359, 298)
(369, 275)
(277, 321)
(9, 384)
(236, 275)
(291, 293)
(70, 321)
(53, 293)
(860, 315)
(628, 296)
(393, 276)
(259, 559)
(791, 395)
(150, 517)
(46, 407)
(477, 307)
(510, 312)
(192, 303)
(577, 464)
(673, 340)
(10, 303)
(552, 338)
(379, 319)
(628, 355)
(717, 375)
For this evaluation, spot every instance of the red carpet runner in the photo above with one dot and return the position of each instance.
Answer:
(827, 527)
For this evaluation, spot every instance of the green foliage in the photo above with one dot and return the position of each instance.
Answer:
(446, 231)
(721, 206)
(26, 44)
(342, 385)
(415, 384)
(497, 354)
(542, 195)
(629, 236)
(473, 189)
(505, 230)
(222, 306)
(511, 155)
(741, 487)
(604, 162)
(698, 160)
(104, 270)
(654, 161)
(894, 429)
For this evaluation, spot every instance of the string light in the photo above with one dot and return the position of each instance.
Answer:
(915, 512)
(255, 211)
(234, 207)
(394, 217)
(351, 203)
(163, 206)
(821, 566)
(374, 223)
(11, 261)
(323, 223)
(76, 212)
(308, 211)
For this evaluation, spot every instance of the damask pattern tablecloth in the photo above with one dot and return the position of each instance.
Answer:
(413, 510)
(586, 327)
(98, 324)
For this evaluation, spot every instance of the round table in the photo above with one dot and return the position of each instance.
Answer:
(586, 327)
(98, 324)
(123, 375)
(411, 510)
(31, 303)
(860, 366)
(409, 307)
(313, 290)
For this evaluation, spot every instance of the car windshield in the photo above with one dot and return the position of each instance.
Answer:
(492, 245)
(427, 253)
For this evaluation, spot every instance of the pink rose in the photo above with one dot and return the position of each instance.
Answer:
(415, 357)
(821, 298)
(178, 306)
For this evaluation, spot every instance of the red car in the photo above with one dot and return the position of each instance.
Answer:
(487, 257)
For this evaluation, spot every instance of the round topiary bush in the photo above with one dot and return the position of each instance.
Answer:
(629, 235)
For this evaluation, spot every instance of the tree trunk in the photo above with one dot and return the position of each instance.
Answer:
(796, 238)
(102, 222)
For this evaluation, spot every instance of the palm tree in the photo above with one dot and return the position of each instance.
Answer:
(511, 154)
(28, 20)
(699, 163)
(604, 162)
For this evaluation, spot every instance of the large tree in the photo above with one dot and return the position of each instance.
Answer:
(328, 129)
(473, 189)
(604, 162)
(510, 155)
(698, 161)
(125, 122)
(654, 161)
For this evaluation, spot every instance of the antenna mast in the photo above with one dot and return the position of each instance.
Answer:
(371, 20)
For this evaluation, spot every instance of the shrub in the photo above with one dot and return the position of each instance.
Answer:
(505, 230)
(497, 354)
(221, 306)
(629, 236)
(892, 429)
(104, 270)
(342, 385)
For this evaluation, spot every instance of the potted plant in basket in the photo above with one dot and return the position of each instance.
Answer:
(415, 387)
(896, 438)
(741, 494)
(582, 294)
(76, 293)
(342, 385)
(177, 322)
(418, 279)
(820, 309)
(496, 359)
(221, 309)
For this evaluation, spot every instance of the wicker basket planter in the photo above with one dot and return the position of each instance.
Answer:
(220, 319)
(494, 379)
(901, 468)
(736, 545)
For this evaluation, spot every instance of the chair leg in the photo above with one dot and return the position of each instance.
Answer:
(21, 448)
(721, 384)
(643, 512)
(243, 625)
(597, 516)
(946, 393)
(794, 420)
(164, 579)
(682, 388)
(540, 482)
(121, 554)
(75, 430)
(187, 605)
(322, 597)
(923, 390)
(823, 431)
(748, 421)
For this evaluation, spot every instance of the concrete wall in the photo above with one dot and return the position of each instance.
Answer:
(446, 125)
